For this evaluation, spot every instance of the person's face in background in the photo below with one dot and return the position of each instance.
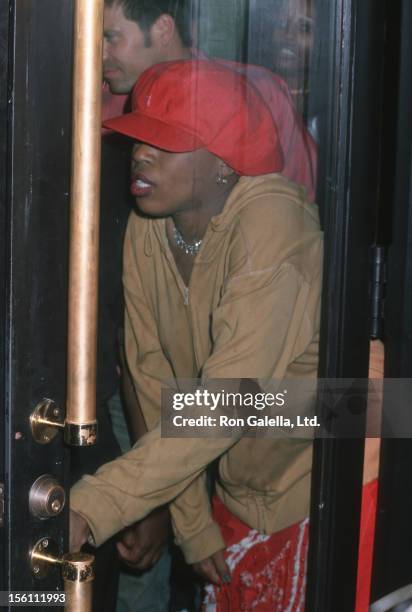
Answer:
(292, 39)
(127, 50)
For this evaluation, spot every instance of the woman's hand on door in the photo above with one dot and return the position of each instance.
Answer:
(79, 531)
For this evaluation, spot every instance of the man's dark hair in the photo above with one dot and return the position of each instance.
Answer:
(146, 12)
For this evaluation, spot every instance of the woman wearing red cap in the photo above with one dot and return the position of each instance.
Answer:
(222, 277)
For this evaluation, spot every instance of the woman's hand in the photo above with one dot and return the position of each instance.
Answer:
(214, 568)
(143, 543)
(79, 531)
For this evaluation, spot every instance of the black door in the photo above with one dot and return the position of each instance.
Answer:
(35, 118)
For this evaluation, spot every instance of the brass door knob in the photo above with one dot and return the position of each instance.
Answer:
(77, 571)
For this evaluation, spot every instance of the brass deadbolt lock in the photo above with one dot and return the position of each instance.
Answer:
(47, 497)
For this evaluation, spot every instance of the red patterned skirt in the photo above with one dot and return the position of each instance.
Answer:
(268, 571)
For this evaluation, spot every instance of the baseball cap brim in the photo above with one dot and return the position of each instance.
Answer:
(155, 132)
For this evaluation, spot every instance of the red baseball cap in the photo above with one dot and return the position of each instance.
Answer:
(199, 104)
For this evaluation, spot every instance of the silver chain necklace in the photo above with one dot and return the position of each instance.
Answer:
(189, 248)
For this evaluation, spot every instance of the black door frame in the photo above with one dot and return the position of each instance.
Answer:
(4, 38)
(349, 183)
(392, 566)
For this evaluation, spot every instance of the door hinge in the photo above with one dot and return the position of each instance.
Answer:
(1, 504)
(378, 283)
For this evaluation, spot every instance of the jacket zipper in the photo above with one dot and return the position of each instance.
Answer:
(186, 295)
(261, 515)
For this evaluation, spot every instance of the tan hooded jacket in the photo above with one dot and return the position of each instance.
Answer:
(251, 311)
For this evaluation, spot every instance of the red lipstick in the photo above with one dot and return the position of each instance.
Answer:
(141, 185)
